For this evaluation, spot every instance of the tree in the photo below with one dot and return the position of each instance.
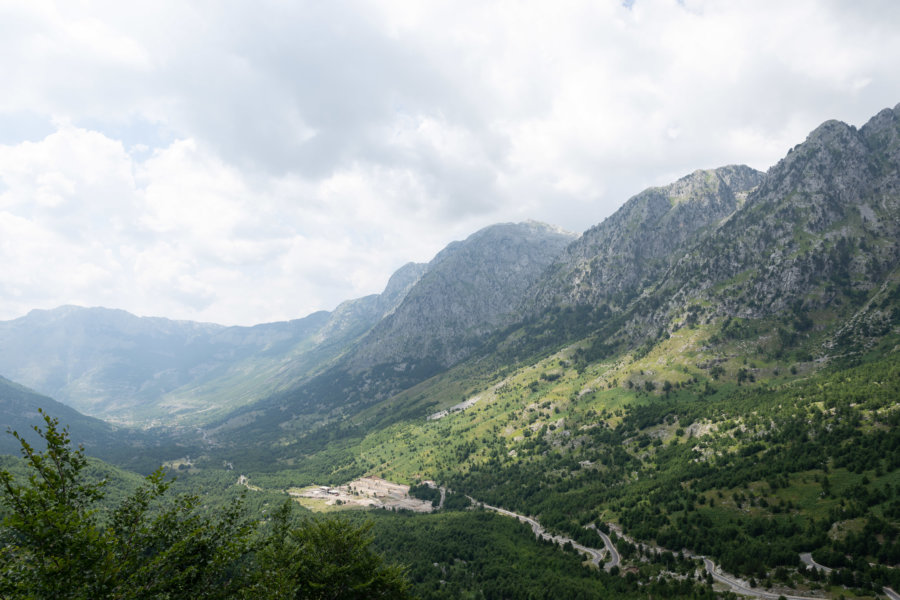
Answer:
(56, 543)
(51, 539)
(321, 559)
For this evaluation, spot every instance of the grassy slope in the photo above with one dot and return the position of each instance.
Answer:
(736, 449)
(724, 436)
(736, 470)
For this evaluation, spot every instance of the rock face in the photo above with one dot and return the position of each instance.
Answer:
(820, 229)
(471, 289)
(613, 261)
(355, 317)
(823, 225)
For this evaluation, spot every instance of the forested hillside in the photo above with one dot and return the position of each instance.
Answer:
(711, 376)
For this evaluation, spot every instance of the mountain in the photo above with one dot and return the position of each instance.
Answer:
(614, 261)
(153, 371)
(687, 253)
(19, 412)
(823, 228)
(814, 246)
(140, 450)
(715, 367)
(354, 318)
(111, 363)
(470, 290)
(148, 370)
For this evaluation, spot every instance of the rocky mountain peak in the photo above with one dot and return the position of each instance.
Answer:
(470, 289)
(402, 281)
(612, 261)
(706, 186)
(801, 234)
(883, 126)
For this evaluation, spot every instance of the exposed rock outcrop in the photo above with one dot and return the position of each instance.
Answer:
(471, 289)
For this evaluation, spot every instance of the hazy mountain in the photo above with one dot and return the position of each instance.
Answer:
(19, 412)
(469, 291)
(112, 364)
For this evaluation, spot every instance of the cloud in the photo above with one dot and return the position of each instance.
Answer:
(183, 234)
(250, 162)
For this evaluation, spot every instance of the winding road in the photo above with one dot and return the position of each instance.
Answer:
(614, 557)
(596, 556)
(807, 559)
(739, 588)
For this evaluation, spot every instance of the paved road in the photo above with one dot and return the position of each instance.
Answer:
(739, 588)
(614, 557)
(595, 555)
(807, 559)
(442, 490)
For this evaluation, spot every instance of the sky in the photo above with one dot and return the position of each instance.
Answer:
(249, 162)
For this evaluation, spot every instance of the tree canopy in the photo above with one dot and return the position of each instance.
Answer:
(58, 541)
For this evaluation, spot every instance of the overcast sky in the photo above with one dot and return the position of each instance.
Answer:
(245, 162)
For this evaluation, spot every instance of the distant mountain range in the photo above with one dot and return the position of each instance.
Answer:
(816, 236)
(154, 371)
(147, 370)
(715, 367)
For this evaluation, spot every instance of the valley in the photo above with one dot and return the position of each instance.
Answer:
(381, 494)
(696, 398)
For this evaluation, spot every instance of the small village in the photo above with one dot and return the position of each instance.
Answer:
(365, 492)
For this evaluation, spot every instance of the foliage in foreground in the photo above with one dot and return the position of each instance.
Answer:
(55, 542)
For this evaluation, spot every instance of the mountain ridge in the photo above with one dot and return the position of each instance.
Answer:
(471, 288)
(661, 260)
(612, 261)
(715, 368)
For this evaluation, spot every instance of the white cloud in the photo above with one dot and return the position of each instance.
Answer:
(250, 162)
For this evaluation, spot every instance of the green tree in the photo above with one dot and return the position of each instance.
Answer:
(51, 539)
(56, 543)
(321, 559)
